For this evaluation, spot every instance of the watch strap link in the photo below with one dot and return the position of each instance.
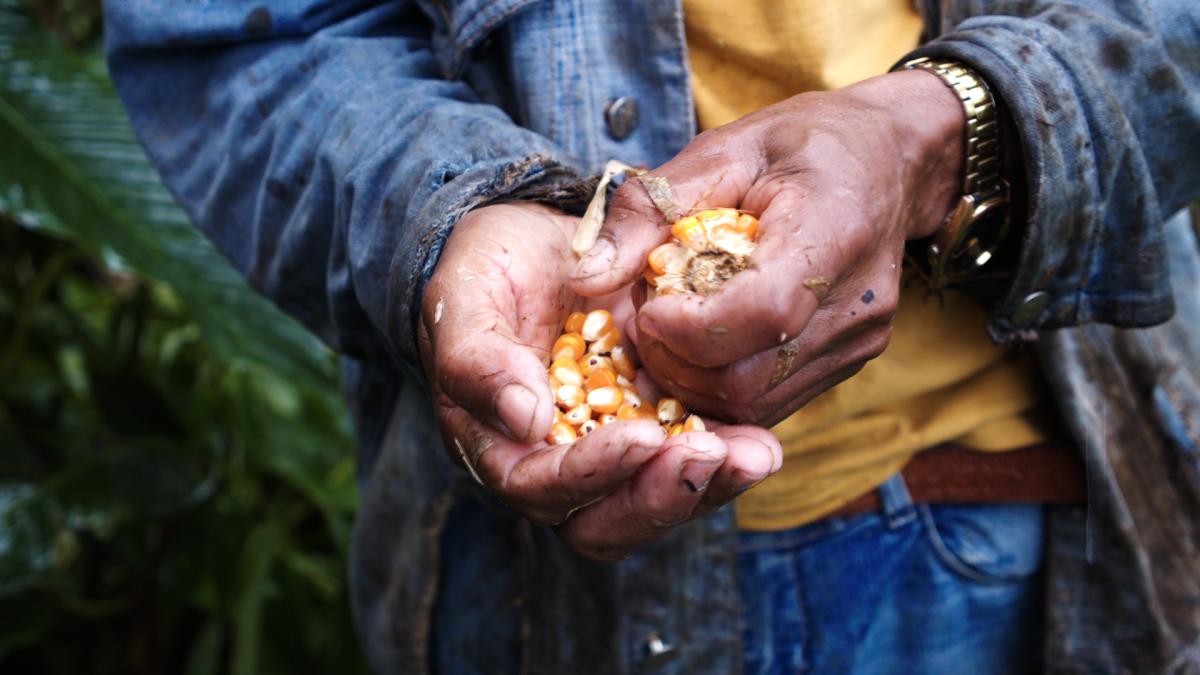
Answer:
(967, 240)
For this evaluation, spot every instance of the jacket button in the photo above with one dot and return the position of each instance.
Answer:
(1031, 308)
(659, 652)
(621, 115)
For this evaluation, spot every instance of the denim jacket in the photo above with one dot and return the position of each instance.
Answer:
(328, 148)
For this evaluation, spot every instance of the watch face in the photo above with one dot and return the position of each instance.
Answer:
(981, 237)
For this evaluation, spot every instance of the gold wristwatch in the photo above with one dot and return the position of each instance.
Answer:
(975, 228)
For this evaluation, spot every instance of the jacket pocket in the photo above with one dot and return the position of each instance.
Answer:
(988, 543)
(460, 25)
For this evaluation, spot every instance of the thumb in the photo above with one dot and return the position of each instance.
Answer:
(705, 174)
(632, 228)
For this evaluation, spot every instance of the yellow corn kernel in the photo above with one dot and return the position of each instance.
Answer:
(674, 430)
(566, 371)
(662, 257)
(588, 427)
(693, 423)
(568, 346)
(622, 363)
(605, 342)
(560, 433)
(746, 225)
(628, 412)
(600, 378)
(606, 399)
(569, 396)
(558, 416)
(606, 418)
(574, 322)
(578, 415)
(631, 397)
(626, 383)
(597, 323)
(595, 361)
(690, 232)
(669, 411)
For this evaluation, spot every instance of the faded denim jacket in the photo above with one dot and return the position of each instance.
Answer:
(329, 147)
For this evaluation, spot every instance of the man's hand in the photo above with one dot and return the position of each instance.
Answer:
(490, 314)
(839, 181)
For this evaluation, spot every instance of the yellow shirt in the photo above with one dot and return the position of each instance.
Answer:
(940, 379)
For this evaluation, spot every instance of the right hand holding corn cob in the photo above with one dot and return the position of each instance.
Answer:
(839, 181)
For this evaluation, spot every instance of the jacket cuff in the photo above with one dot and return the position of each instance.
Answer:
(534, 177)
(1085, 240)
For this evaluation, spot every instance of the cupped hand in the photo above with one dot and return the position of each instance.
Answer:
(490, 313)
(840, 180)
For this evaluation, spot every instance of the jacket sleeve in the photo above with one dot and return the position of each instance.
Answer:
(1105, 95)
(317, 144)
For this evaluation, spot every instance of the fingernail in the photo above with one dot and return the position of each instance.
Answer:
(744, 481)
(598, 261)
(697, 473)
(515, 406)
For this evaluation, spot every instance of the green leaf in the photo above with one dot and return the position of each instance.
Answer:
(70, 163)
(258, 556)
(29, 529)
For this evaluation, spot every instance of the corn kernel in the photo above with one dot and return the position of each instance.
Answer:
(622, 363)
(606, 399)
(593, 362)
(693, 423)
(631, 397)
(667, 258)
(560, 433)
(628, 412)
(569, 395)
(568, 346)
(598, 323)
(746, 225)
(670, 411)
(674, 430)
(690, 232)
(578, 415)
(600, 378)
(566, 371)
(606, 418)
(588, 427)
(574, 322)
(604, 343)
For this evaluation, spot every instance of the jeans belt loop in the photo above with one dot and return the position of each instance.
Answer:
(897, 503)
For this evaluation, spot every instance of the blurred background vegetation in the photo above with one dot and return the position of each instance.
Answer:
(176, 470)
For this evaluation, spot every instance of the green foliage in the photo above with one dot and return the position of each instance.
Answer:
(176, 473)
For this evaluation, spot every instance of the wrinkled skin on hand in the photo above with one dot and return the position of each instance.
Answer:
(840, 180)
(490, 314)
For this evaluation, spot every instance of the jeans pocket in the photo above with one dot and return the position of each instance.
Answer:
(987, 543)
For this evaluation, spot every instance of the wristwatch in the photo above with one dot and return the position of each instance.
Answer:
(974, 230)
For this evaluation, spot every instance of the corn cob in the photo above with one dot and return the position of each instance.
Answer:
(705, 251)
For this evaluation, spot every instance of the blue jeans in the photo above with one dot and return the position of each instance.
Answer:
(910, 589)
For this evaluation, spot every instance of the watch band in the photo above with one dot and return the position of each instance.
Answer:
(967, 240)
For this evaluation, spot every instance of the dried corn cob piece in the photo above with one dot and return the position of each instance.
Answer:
(706, 250)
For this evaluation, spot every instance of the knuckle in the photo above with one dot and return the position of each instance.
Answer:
(878, 342)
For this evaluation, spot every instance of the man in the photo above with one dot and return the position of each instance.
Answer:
(329, 148)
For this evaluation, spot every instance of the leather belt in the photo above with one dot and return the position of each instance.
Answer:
(953, 474)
